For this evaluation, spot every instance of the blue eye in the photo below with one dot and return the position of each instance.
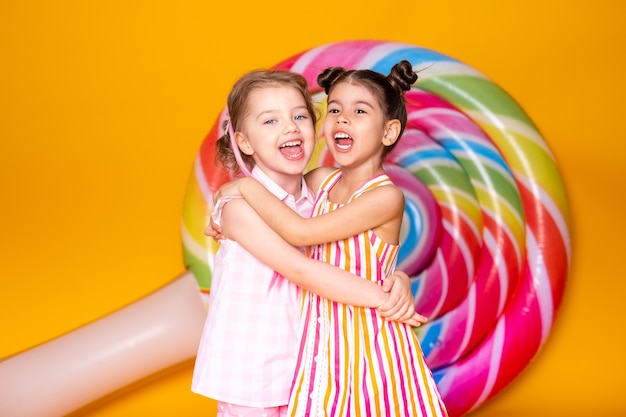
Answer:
(300, 117)
(269, 122)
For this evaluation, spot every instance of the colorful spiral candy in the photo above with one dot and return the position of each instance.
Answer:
(486, 227)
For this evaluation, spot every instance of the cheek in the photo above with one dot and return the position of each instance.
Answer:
(327, 125)
(308, 131)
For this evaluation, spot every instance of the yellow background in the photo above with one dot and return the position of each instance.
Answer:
(104, 105)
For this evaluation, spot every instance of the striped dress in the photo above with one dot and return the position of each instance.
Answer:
(350, 361)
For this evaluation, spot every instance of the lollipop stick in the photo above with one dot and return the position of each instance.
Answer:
(154, 333)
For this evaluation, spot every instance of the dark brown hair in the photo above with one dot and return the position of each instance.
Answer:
(389, 90)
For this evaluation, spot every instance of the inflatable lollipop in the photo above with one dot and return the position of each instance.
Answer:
(485, 238)
(486, 231)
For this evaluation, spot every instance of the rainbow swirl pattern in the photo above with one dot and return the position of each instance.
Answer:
(486, 227)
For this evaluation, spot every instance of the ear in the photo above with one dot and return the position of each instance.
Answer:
(392, 131)
(244, 143)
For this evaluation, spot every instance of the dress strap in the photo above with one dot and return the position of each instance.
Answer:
(330, 180)
(377, 181)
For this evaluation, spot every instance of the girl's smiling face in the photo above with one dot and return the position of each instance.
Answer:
(277, 131)
(354, 127)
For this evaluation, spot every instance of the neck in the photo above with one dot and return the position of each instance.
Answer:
(290, 183)
(353, 178)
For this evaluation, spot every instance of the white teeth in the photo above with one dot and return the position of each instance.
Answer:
(341, 135)
(292, 143)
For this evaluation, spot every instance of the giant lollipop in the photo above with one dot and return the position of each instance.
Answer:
(489, 260)
(486, 239)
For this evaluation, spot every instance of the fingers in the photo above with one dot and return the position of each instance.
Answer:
(390, 306)
(402, 274)
(404, 313)
(388, 282)
(397, 278)
(394, 310)
(414, 320)
(214, 231)
(420, 318)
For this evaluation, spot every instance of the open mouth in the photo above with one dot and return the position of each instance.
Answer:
(291, 149)
(343, 140)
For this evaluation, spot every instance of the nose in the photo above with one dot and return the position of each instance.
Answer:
(291, 127)
(341, 119)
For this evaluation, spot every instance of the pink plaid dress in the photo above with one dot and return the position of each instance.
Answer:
(350, 361)
(248, 349)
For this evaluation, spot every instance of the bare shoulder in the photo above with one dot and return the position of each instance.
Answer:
(395, 193)
(389, 194)
(389, 204)
(384, 202)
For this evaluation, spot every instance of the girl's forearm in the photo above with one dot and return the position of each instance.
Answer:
(338, 285)
(286, 222)
(319, 277)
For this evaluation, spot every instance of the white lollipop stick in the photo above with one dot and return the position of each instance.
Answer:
(154, 333)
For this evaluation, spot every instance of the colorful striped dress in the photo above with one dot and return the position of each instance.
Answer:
(350, 361)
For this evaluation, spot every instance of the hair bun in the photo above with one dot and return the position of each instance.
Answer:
(402, 76)
(329, 76)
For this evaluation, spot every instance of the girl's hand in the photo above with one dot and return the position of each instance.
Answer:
(215, 231)
(400, 305)
(231, 188)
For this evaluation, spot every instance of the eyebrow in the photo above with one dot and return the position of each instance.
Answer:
(360, 102)
(270, 111)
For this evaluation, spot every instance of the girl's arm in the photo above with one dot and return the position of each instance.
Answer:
(372, 210)
(242, 224)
